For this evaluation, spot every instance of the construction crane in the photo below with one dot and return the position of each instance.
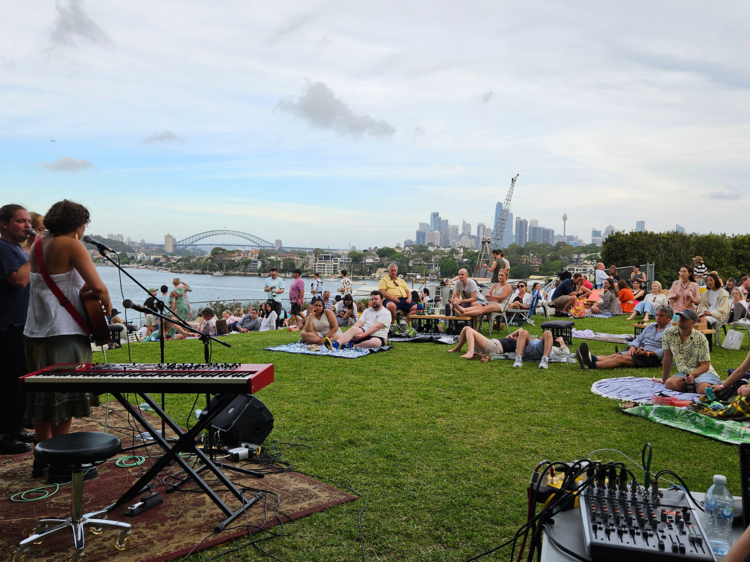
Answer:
(480, 269)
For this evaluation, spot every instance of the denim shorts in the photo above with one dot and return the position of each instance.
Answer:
(534, 350)
(710, 378)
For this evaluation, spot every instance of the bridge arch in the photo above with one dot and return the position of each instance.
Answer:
(196, 239)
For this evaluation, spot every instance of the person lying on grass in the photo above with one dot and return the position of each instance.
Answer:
(689, 349)
(370, 331)
(519, 341)
(644, 351)
(320, 325)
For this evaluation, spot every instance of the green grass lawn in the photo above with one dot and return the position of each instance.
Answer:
(442, 448)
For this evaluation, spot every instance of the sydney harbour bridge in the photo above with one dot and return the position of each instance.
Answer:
(229, 239)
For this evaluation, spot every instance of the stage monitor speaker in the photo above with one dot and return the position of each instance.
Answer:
(245, 419)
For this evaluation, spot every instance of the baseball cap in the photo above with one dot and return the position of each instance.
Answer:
(689, 314)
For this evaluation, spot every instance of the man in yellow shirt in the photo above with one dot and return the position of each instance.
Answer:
(396, 294)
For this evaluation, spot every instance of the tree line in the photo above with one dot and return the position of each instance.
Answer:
(669, 251)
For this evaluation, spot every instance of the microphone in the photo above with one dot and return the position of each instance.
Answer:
(31, 232)
(102, 248)
(127, 303)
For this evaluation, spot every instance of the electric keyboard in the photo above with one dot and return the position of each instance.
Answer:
(185, 378)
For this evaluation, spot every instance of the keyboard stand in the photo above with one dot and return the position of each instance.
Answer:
(184, 444)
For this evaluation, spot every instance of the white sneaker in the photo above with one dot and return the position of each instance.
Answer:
(518, 362)
(544, 363)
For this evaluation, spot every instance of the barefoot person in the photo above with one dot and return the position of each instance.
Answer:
(370, 331)
(320, 326)
(519, 341)
(52, 334)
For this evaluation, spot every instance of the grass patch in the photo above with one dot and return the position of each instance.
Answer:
(441, 447)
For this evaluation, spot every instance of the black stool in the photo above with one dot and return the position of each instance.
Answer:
(76, 449)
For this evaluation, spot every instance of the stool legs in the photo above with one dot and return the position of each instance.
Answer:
(77, 522)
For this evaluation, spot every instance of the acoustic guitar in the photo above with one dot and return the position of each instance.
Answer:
(94, 316)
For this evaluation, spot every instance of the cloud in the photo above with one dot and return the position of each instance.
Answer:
(164, 136)
(725, 195)
(73, 23)
(291, 26)
(323, 110)
(69, 164)
(486, 98)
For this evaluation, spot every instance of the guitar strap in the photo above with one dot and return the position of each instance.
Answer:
(59, 295)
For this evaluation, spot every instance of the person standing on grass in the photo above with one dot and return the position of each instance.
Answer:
(316, 287)
(296, 296)
(370, 331)
(14, 302)
(346, 284)
(274, 286)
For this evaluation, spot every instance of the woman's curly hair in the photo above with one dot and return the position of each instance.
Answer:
(66, 216)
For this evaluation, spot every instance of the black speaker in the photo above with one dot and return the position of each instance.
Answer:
(245, 419)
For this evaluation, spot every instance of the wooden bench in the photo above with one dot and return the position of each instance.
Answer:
(638, 328)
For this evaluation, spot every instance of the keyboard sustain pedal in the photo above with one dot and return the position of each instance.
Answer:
(147, 502)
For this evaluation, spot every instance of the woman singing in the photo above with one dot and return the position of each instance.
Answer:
(53, 336)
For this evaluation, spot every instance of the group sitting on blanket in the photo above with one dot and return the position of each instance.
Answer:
(370, 331)
(519, 342)
(661, 343)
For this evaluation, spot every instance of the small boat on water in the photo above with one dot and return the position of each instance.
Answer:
(218, 274)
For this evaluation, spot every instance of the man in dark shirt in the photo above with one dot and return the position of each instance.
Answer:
(152, 320)
(568, 292)
(14, 302)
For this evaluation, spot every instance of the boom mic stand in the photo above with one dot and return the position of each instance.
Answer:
(205, 338)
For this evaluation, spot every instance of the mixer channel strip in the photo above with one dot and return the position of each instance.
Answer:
(624, 524)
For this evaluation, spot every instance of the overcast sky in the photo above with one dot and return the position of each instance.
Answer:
(322, 123)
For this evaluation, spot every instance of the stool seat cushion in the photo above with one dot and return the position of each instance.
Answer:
(558, 324)
(116, 327)
(77, 448)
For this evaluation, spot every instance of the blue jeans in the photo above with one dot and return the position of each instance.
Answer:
(645, 307)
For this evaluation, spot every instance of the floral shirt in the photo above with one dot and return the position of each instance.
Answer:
(689, 355)
(346, 285)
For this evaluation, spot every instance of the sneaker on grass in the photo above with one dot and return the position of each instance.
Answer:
(583, 356)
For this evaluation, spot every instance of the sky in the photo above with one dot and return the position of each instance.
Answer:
(346, 122)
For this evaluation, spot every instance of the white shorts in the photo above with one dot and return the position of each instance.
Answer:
(152, 320)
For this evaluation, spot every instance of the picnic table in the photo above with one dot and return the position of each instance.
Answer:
(638, 328)
(429, 322)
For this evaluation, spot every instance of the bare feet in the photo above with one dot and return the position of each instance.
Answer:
(468, 355)
(460, 309)
(454, 349)
(645, 317)
(631, 316)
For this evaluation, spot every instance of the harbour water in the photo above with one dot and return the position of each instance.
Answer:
(205, 288)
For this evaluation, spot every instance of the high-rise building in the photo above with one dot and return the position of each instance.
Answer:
(481, 234)
(548, 236)
(609, 230)
(640, 226)
(444, 233)
(533, 222)
(452, 234)
(522, 226)
(433, 238)
(508, 236)
(466, 228)
(535, 233)
(679, 228)
(595, 234)
(408, 242)
(169, 242)
(421, 238)
(498, 210)
(277, 244)
(424, 227)
(435, 221)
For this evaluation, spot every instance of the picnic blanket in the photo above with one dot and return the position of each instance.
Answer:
(635, 389)
(353, 353)
(728, 431)
(553, 358)
(426, 337)
(601, 336)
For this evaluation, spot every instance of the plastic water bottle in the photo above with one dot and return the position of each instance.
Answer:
(719, 506)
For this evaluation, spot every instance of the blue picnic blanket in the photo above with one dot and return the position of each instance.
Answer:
(636, 389)
(353, 353)
(426, 337)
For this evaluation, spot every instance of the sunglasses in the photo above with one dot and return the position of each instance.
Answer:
(522, 286)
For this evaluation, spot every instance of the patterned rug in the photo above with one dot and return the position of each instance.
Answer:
(352, 353)
(635, 389)
(165, 532)
(727, 431)
(426, 337)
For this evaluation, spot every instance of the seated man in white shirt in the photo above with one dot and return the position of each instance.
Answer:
(370, 331)
(206, 323)
(601, 275)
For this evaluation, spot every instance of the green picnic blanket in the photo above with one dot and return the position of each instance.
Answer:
(728, 431)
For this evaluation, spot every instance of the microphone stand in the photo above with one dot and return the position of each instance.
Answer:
(205, 338)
